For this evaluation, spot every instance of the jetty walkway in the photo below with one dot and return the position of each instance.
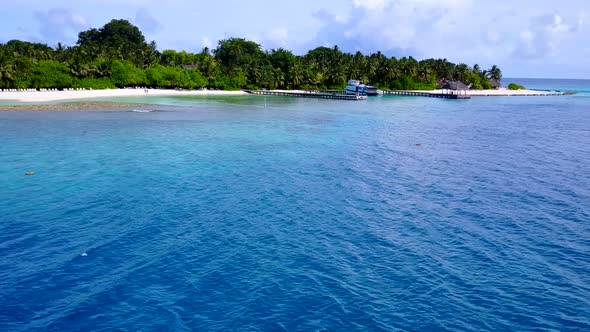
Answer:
(467, 94)
(447, 95)
(307, 94)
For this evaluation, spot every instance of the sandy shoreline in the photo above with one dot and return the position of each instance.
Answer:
(41, 97)
(51, 96)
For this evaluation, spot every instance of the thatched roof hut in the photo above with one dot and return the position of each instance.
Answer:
(455, 85)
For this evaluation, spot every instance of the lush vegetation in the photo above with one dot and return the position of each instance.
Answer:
(514, 86)
(117, 55)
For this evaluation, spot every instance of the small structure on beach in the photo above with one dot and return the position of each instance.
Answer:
(190, 67)
(455, 85)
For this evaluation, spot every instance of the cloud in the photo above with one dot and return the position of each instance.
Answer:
(396, 27)
(271, 39)
(544, 35)
(276, 38)
(57, 23)
(522, 37)
(146, 21)
(206, 42)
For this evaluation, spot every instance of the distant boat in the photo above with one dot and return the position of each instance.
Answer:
(355, 87)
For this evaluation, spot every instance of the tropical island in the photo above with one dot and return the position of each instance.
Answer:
(118, 56)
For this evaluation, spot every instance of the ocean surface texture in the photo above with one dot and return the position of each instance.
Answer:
(278, 214)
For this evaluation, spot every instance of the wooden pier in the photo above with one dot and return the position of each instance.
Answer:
(448, 95)
(308, 94)
(341, 94)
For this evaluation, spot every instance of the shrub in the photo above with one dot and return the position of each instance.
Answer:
(514, 86)
(308, 87)
(51, 74)
(486, 84)
(407, 83)
(424, 86)
(94, 83)
(124, 74)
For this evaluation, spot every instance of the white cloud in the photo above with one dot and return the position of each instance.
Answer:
(396, 26)
(277, 38)
(206, 42)
(521, 36)
(544, 35)
(56, 23)
(370, 4)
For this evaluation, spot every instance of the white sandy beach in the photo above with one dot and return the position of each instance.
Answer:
(51, 96)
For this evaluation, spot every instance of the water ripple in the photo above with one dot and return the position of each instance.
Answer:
(398, 214)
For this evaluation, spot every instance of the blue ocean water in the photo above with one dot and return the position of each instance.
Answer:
(580, 87)
(278, 214)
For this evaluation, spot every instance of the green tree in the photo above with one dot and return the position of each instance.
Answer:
(461, 71)
(125, 74)
(118, 39)
(51, 74)
(495, 73)
(117, 54)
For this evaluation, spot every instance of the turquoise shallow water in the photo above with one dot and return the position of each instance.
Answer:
(277, 214)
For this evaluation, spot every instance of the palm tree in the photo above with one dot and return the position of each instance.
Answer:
(208, 65)
(8, 74)
(390, 72)
(60, 51)
(495, 73)
(278, 78)
(297, 76)
(476, 69)
(316, 78)
(408, 67)
(443, 68)
(254, 75)
(80, 70)
(425, 73)
(461, 72)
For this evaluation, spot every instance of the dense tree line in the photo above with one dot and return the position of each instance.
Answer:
(117, 55)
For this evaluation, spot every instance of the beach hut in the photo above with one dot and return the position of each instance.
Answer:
(455, 85)
(190, 67)
(455, 88)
